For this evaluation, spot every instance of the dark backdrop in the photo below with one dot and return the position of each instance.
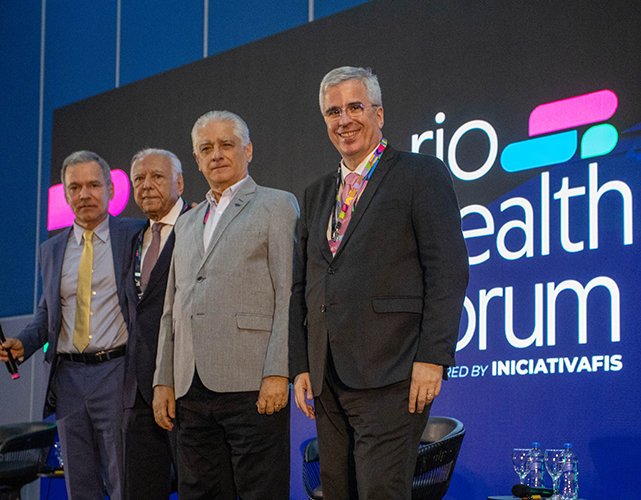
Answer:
(472, 60)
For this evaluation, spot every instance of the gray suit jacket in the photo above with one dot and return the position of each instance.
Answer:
(226, 307)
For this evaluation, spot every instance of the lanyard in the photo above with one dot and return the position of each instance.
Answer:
(340, 209)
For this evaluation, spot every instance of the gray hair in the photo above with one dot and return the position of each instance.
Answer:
(344, 73)
(78, 157)
(240, 127)
(176, 166)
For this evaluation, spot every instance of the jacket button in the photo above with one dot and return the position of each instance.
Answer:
(323, 308)
(331, 270)
(200, 279)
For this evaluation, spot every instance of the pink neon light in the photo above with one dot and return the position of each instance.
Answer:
(572, 112)
(59, 212)
(121, 192)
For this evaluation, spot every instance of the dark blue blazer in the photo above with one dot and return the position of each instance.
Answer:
(144, 322)
(48, 320)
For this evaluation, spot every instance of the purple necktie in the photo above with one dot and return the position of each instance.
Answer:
(350, 180)
(152, 253)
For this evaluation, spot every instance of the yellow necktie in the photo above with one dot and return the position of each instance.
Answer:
(83, 294)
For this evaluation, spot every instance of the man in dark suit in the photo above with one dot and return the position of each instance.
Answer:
(380, 277)
(157, 180)
(83, 316)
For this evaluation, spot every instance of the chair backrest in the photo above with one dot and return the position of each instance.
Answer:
(437, 454)
(311, 471)
(26, 436)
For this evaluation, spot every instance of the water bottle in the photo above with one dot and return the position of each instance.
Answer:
(569, 484)
(535, 478)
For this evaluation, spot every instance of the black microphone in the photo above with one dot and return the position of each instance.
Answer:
(524, 491)
(11, 364)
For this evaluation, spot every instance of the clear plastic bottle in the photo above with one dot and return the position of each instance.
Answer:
(569, 482)
(535, 477)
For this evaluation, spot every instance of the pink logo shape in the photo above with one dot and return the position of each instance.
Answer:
(59, 212)
(572, 112)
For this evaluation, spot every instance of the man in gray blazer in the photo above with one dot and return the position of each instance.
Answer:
(221, 369)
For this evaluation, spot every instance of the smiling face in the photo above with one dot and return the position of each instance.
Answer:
(87, 193)
(220, 155)
(155, 189)
(354, 137)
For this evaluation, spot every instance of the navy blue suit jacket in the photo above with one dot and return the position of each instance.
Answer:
(144, 322)
(47, 323)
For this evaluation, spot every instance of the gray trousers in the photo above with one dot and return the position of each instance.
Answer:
(89, 414)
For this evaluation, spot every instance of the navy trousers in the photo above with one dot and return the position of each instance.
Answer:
(89, 413)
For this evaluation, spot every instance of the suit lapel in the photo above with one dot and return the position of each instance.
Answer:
(379, 173)
(117, 248)
(328, 197)
(57, 260)
(240, 200)
(195, 231)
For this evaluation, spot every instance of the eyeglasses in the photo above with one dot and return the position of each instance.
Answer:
(353, 110)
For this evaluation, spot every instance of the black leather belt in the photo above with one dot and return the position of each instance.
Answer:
(93, 358)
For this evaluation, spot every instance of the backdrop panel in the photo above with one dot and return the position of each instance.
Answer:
(535, 107)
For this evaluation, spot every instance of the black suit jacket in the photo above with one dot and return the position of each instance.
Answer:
(144, 322)
(394, 291)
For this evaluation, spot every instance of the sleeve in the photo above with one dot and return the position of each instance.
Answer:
(280, 256)
(35, 334)
(443, 257)
(164, 374)
(298, 362)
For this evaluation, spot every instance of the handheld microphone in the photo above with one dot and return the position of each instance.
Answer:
(11, 364)
(524, 491)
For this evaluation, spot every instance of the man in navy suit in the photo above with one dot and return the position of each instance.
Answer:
(83, 316)
(380, 277)
(157, 181)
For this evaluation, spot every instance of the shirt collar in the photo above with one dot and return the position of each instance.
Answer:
(231, 191)
(358, 170)
(172, 216)
(101, 231)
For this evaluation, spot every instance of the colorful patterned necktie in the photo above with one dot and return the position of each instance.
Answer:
(350, 180)
(83, 294)
(152, 253)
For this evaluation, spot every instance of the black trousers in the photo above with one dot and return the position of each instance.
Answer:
(367, 440)
(149, 454)
(227, 449)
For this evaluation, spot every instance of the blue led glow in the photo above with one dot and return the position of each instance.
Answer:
(539, 152)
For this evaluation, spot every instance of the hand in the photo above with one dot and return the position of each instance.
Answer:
(164, 406)
(16, 347)
(425, 386)
(302, 386)
(273, 395)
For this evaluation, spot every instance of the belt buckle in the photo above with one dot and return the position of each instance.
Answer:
(101, 356)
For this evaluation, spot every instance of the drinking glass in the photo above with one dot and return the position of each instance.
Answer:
(554, 462)
(521, 460)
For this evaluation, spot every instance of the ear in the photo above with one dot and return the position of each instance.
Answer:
(179, 181)
(249, 150)
(196, 158)
(380, 114)
(111, 191)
